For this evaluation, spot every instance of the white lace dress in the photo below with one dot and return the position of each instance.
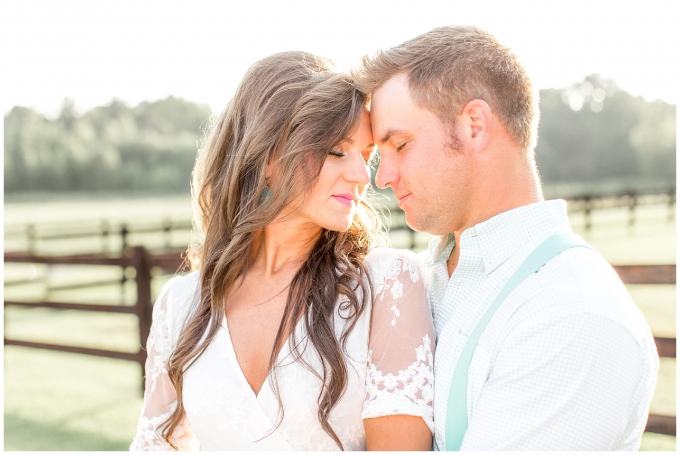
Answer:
(389, 366)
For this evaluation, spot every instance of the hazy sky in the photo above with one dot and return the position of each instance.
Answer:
(93, 51)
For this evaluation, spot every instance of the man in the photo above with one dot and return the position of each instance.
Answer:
(566, 361)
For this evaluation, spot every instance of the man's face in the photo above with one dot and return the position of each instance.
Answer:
(420, 160)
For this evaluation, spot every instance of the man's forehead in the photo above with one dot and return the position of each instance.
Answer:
(393, 112)
(394, 89)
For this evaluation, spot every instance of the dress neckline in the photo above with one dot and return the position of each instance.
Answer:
(282, 354)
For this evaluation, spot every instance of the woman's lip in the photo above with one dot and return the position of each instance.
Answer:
(344, 199)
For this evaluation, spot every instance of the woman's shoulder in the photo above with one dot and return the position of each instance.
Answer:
(177, 295)
(381, 256)
(390, 262)
(182, 286)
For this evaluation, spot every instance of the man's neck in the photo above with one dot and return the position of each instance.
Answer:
(502, 187)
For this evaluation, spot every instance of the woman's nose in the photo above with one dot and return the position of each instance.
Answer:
(358, 171)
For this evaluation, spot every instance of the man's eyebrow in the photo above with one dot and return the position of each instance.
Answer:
(388, 135)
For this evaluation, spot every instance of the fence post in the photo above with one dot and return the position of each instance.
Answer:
(143, 305)
(671, 205)
(632, 202)
(587, 202)
(123, 236)
(30, 234)
(105, 235)
(413, 238)
(167, 229)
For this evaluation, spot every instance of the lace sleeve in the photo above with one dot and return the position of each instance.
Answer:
(160, 398)
(399, 379)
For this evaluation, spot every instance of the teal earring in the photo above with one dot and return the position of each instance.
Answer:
(266, 194)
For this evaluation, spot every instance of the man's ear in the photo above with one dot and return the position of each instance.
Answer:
(476, 123)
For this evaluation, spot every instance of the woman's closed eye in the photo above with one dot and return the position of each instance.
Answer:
(367, 155)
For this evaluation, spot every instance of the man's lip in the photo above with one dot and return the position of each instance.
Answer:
(402, 198)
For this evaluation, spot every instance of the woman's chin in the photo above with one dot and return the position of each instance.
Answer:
(340, 226)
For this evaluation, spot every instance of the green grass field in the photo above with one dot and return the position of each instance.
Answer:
(62, 401)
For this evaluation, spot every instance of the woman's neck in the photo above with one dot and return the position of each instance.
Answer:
(283, 245)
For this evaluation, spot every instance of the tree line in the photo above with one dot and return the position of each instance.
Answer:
(589, 132)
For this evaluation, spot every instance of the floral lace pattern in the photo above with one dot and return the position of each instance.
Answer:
(158, 342)
(415, 384)
(148, 437)
(389, 355)
(399, 376)
(396, 287)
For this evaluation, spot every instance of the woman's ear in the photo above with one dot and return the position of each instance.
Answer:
(269, 169)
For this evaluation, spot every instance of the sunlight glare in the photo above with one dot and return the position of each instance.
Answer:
(575, 100)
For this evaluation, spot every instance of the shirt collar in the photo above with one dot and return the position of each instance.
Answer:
(440, 248)
(502, 235)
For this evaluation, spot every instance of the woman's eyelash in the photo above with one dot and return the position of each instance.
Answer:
(401, 147)
(334, 153)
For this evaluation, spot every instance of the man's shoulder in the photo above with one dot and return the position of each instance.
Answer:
(584, 275)
(579, 281)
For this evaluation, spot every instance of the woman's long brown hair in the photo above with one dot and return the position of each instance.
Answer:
(290, 109)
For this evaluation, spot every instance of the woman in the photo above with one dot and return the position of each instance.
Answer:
(294, 332)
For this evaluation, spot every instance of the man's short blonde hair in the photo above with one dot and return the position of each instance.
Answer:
(450, 66)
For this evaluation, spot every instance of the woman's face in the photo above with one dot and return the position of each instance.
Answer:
(343, 181)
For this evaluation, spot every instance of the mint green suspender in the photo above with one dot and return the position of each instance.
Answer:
(456, 408)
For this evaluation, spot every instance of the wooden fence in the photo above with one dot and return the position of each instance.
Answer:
(171, 261)
(138, 258)
(631, 200)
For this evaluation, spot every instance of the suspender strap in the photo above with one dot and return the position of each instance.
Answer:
(456, 409)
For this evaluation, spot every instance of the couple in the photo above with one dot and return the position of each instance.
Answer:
(299, 331)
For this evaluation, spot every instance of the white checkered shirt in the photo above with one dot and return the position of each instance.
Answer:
(566, 363)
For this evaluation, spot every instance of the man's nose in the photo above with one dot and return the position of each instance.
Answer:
(387, 174)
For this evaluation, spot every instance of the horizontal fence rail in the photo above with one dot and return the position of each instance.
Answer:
(646, 274)
(31, 234)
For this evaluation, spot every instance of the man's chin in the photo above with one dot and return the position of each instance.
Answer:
(414, 223)
(419, 224)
